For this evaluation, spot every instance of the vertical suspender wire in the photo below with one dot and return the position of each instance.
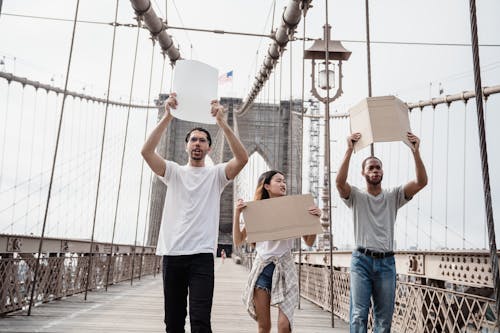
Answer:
(327, 179)
(418, 201)
(279, 108)
(110, 256)
(30, 175)
(464, 174)
(40, 245)
(484, 159)
(142, 164)
(302, 112)
(42, 158)
(432, 177)
(368, 60)
(91, 254)
(17, 163)
(290, 135)
(162, 74)
(4, 132)
(407, 206)
(447, 173)
(146, 219)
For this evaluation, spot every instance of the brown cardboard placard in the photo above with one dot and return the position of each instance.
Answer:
(280, 218)
(380, 119)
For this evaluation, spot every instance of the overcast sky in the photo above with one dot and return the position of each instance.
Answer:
(38, 49)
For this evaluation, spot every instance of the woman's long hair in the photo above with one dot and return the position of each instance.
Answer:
(260, 192)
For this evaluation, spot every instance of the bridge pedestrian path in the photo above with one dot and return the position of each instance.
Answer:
(140, 309)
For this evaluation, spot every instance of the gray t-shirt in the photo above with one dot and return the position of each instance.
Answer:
(374, 216)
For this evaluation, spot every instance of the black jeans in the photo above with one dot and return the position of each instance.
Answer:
(193, 273)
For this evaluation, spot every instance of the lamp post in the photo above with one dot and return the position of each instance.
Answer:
(330, 52)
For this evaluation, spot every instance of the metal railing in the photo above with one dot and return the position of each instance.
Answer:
(424, 303)
(64, 268)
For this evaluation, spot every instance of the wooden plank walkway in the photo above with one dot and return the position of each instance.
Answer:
(140, 309)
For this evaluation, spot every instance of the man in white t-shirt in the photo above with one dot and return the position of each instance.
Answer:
(189, 227)
(374, 210)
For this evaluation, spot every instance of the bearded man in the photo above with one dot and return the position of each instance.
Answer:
(374, 210)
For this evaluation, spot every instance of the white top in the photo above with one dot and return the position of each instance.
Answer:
(190, 221)
(274, 248)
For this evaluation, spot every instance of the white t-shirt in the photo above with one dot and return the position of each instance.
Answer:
(190, 221)
(274, 248)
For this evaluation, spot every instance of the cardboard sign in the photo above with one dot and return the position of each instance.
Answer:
(196, 86)
(280, 218)
(380, 119)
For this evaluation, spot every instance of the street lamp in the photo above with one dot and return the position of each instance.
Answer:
(330, 52)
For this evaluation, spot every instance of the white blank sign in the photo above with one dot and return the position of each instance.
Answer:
(196, 86)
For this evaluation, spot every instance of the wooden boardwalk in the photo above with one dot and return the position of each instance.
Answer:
(140, 309)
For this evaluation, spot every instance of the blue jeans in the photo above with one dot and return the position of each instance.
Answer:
(375, 279)
(191, 275)
(265, 279)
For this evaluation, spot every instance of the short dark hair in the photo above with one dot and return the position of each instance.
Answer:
(200, 129)
(367, 159)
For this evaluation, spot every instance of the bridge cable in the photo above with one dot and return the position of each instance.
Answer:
(30, 173)
(432, 181)
(302, 111)
(21, 122)
(464, 174)
(279, 107)
(103, 137)
(146, 219)
(327, 181)
(484, 159)
(418, 201)
(368, 60)
(42, 158)
(7, 99)
(447, 171)
(290, 125)
(42, 236)
(122, 160)
(142, 164)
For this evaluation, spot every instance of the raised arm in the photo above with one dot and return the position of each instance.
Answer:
(239, 235)
(419, 183)
(155, 161)
(240, 154)
(341, 181)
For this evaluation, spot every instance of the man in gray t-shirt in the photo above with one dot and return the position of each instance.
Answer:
(373, 270)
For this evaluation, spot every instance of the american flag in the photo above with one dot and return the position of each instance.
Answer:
(226, 77)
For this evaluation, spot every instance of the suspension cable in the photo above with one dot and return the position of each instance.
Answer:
(464, 174)
(26, 82)
(327, 180)
(30, 173)
(7, 99)
(304, 11)
(122, 160)
(99, 173)
(432, 184)
(142, 164)
(368, 60)
(21, 122)
(418, 201)
(290, 134)
(40, 245)
(447, 172)
(484, 159)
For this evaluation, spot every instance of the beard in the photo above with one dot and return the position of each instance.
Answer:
(197, 156)
(374, 182)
